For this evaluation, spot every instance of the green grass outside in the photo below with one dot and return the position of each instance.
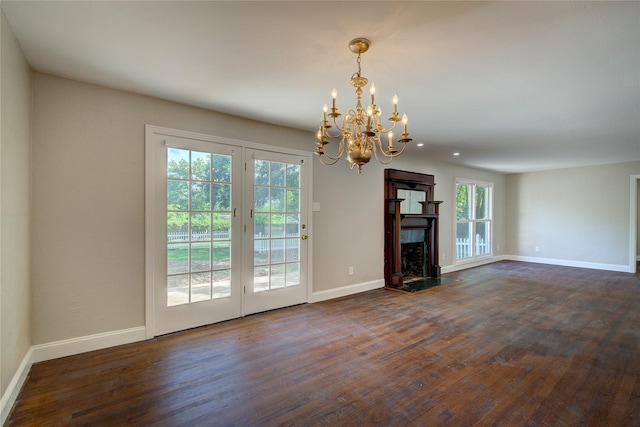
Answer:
(199, 252)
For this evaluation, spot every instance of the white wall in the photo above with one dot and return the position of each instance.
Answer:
(577, 214)
(348, 230)
(88, 192)
(15, 308)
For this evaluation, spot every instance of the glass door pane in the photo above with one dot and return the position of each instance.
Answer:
(276, 222)
(277, 227)
(198, 226)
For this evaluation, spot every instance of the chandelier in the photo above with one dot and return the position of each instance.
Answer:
(360, 131)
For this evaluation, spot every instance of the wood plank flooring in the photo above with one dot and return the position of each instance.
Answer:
(508, 344)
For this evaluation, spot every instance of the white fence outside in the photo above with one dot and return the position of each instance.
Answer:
(463, 247)
(261, 242)
(183, 236)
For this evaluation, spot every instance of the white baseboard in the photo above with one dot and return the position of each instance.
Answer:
(11, 394)
(346, 290)
(376, 284)
(54, 350)
(551, 261)
(570, 263)
(476, 263)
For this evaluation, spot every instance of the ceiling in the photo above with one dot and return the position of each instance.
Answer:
(511, 86)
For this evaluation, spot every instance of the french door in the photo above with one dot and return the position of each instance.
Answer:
(226, 231)
(276, 262)
(196, 233)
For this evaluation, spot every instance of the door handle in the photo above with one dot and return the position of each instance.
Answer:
(304, 237)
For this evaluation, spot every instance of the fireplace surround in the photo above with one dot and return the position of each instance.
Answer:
(411, 228)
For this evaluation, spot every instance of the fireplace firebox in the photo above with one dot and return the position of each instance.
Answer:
(411, 228)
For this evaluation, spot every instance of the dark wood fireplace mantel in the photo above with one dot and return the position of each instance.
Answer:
(419, 213)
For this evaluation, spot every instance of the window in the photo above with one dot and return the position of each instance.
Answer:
(473, 219)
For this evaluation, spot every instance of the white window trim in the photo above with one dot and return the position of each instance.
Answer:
(473, 258)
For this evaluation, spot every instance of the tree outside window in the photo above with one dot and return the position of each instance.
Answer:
(473, 219)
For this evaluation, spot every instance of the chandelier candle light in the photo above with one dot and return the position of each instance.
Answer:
(361, 130)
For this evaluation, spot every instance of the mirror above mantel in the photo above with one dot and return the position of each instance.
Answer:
(412, 200)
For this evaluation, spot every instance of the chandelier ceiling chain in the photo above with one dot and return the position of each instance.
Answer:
(359, 132)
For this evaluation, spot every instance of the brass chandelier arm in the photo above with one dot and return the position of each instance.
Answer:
(382, 162)
(320, 152)
(340, 129)
(357, 120)
(388, 154)
(333, 162)
(382, 130)
(393, 120)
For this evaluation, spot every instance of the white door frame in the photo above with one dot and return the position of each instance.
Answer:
(150, 194)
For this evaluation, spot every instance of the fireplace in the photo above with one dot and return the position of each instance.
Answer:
(411, 228)
(413, 255)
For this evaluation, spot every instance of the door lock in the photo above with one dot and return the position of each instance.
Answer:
(304, 237)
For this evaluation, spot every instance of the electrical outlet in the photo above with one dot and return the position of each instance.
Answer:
(444, 257)
(350, 271)
(537, 248)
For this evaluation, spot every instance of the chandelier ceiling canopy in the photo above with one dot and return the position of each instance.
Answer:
(359, 132)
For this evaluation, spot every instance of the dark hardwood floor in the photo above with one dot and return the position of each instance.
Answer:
(508, 344)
